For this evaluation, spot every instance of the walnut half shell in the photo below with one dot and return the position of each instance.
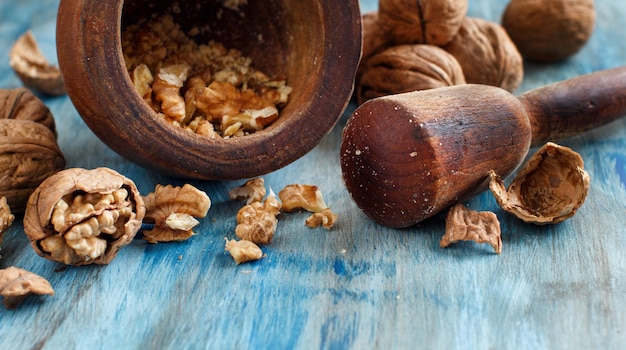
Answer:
(549, 188)
(79, 216)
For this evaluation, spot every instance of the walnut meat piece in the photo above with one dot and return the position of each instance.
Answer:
(549, 30)
(173, 211)
(407, 68)
(166, 89)
(79, 216)
(433, 22)
(257, 222)
(32, 67)
(299, 196)
(550, 187)
(20, 103)
(487, 55)
(29, 154)
(326, 219)
(16, 284)
(251, 191)
(463, 224)
(243, 251)
(6, 218)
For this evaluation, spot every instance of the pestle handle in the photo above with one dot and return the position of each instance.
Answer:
(572, 106)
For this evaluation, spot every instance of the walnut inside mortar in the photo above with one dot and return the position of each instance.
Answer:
(16, 284)
(405, 68)
(32, 67)
(549, 30)
(463, 224)
(487, 55)
(80, 216)
(173, 211)
(29, 153)
(433, 22)
(549, 188)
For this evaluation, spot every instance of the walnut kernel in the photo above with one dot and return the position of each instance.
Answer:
(173, 211)
(463, 224)
(6, 218)
(549, 188)
(251, 191)
(257, 222)
(325, 219)
(79, 216)
(243, 251)
(32, 67)
(433, 22)
(16, 284)
(300, 196)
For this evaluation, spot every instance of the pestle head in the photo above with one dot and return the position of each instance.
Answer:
(407, 157)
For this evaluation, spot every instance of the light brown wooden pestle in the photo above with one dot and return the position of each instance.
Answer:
(407, 157)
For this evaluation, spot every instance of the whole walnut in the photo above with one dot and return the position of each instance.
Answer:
(433, 22)
(405, 68)
(374, 39)
(487, 55)
(549, 30)
(29, 154)
(20, 103)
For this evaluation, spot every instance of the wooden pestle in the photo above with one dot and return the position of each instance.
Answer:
(407, 157)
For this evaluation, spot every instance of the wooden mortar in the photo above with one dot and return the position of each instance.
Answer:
(407, 157)
(316, 45)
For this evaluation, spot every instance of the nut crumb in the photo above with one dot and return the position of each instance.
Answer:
(463, 224)
(16, 284)
(243, 251)
(326, 219)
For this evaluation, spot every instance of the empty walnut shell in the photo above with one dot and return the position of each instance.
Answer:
(433, 22)
(318, 59)
(20, 103)
(487, 55)
(549, 30)
(29, 154)
(406, 68)
(79, 216)
(548, 189)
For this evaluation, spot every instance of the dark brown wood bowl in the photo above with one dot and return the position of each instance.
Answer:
(315, 44)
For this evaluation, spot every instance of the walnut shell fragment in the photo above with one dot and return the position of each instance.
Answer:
(173, 211)
(433, 22)
(406, 68)
(487, 54)
(32, 67)
(16, 284)
(548, 189)
(21, 103)
(6, 218)
(243, 251)
(80, 216)
(463, 224)
(29, 153)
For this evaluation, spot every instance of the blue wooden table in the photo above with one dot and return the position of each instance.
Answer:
(358, 286)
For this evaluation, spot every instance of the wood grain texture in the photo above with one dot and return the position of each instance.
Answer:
(358, 286)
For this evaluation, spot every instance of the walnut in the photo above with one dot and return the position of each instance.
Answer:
(6, 218)
(257, 222)
(29, 154)
(252, 191)
(142, 80)
(487, 55)
(548, 189)
(32, 67)
(407, 68)
(299, 196)
(16, 284)
(463, 224)
(79, 216)
(425, 22)
(243, 251)
(374, 39)
(326, 219)
(20, 103)
(549, 30)
(166, 88)
(173, 211)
